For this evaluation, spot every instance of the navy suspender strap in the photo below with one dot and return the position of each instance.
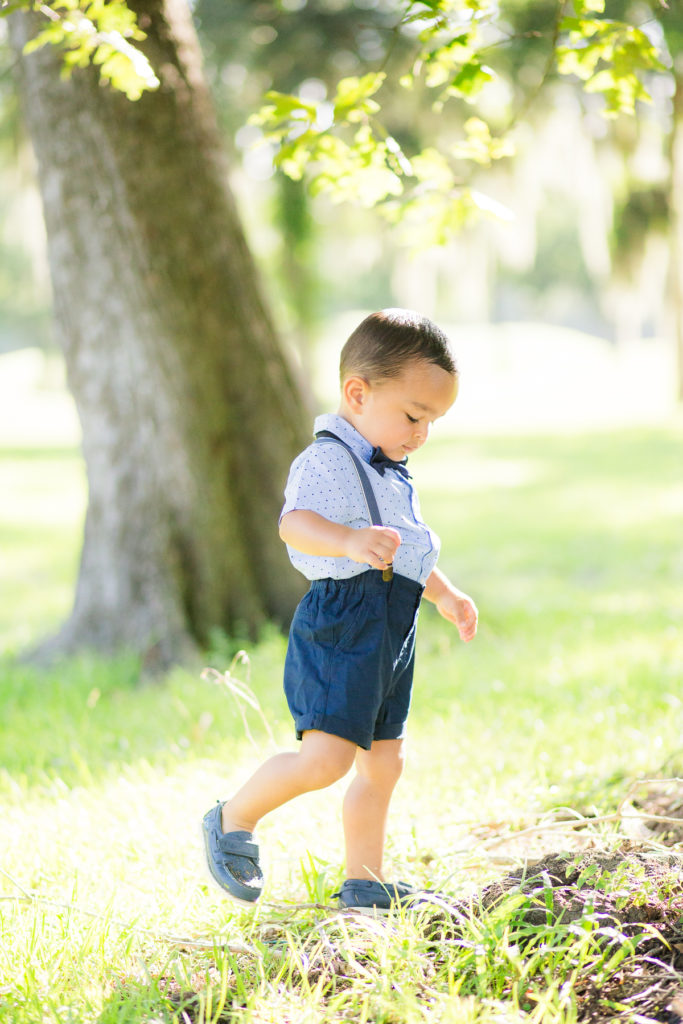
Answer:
(370, 499)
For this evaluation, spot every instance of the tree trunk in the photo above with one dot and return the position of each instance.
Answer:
(190, 414)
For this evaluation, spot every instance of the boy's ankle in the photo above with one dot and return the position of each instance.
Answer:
(230, 823)
(362, 874)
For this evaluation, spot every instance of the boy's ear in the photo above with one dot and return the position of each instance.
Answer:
(355, 391)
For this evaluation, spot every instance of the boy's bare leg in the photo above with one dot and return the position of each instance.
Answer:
(321, 760)
(366, 807)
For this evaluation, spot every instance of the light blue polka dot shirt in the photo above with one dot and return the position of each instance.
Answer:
(323, 479)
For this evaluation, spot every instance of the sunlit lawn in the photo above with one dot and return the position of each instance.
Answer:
(44, 492)
(572, 549)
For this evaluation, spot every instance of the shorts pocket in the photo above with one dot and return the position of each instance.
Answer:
(356, 618)
(312, 622)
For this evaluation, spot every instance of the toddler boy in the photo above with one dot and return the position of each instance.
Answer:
(352, 525)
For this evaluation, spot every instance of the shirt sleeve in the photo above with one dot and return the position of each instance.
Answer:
(319, 482)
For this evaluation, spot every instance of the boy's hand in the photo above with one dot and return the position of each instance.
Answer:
(453, 604)
(461, 610)
(374, 545)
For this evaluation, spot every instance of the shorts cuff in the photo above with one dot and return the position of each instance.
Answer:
(334, 726)
(391, 731)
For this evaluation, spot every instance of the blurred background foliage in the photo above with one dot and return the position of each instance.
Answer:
(590, 244)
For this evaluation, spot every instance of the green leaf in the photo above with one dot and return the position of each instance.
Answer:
(431, 168)
(611, 61)
(571, 25)
(582, 29)
(352, 101)
(98, 32)
(425, 10)
(280, 107)
(581, 63)
(480, 146)
(9, 8)
(440, 63)
(53, 34)
(293, 158)
(471, 79)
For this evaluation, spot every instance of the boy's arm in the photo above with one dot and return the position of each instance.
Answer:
(312, 534)
(452, 604)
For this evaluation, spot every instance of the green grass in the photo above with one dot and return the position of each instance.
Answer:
(570, 546)
(44, 495)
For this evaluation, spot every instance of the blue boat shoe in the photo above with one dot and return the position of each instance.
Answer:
(232, 859)
(368, 896)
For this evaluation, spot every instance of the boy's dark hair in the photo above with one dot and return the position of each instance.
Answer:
(385, 341)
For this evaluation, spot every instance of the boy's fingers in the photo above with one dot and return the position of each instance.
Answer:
(392, 536)
(469, 632)
(388, 548)
(385, 541)
(467, 626)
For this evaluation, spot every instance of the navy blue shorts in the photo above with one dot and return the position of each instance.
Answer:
(349, 663)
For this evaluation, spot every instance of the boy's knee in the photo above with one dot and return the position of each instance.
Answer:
(327, 774)
(383, 765)
(393, 769)
(326, 762)
(322, 773)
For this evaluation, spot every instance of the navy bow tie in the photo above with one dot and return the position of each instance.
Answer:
(380, 462)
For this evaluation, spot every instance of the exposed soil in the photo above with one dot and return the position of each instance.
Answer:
(620, 892)
(636, 890)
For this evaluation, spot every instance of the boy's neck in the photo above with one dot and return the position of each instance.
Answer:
(347, 414)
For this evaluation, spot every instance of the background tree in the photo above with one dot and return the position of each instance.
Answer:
(189, 411)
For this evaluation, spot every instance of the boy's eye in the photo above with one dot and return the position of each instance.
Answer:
(412, 419)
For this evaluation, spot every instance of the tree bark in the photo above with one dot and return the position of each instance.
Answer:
(190, 413)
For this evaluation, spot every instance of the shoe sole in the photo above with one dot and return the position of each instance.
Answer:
(206, 871)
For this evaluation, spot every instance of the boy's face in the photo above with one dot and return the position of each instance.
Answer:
(396, 414)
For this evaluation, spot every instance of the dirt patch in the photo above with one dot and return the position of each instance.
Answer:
(623, 887)
(624, 894)
(632, 891)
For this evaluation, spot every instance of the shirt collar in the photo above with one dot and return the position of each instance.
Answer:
(344, 430)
